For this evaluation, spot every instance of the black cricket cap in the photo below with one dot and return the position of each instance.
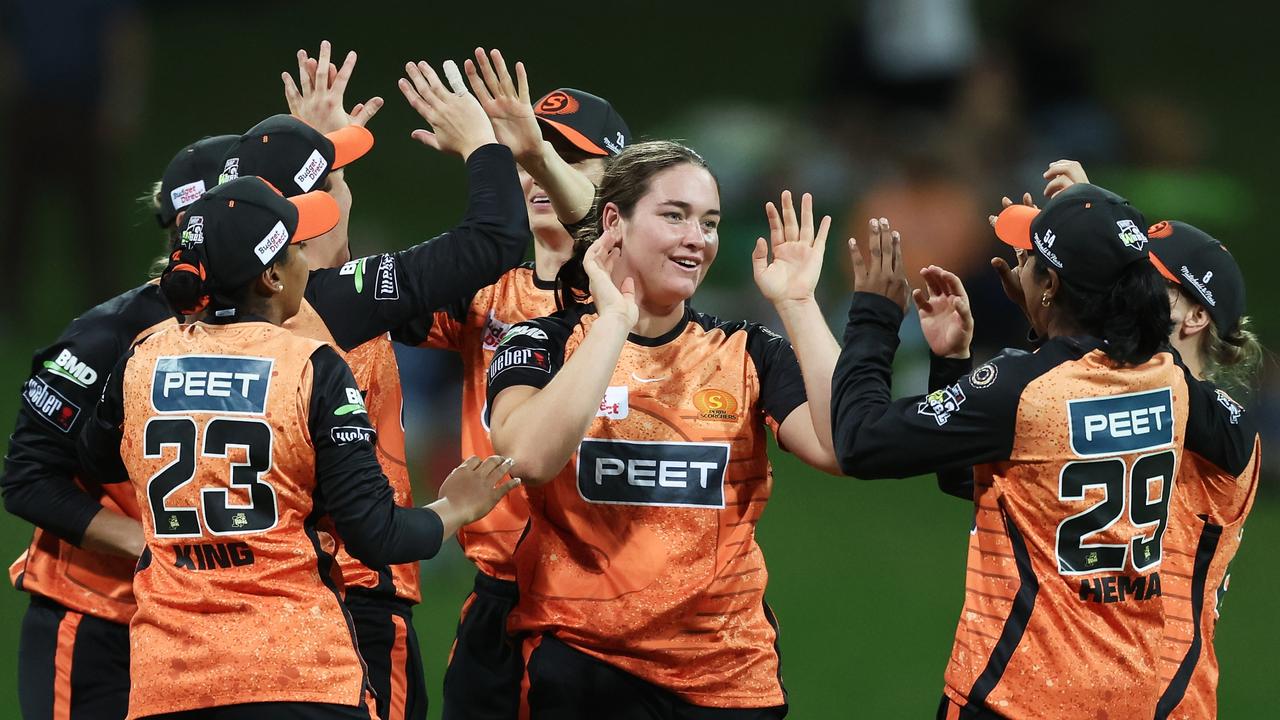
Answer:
(243, 226)
(293, 156)
(1088, 234)
(577, 121)
(190, 173)
(1199, 264)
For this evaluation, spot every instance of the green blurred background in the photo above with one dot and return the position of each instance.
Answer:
(934, 108)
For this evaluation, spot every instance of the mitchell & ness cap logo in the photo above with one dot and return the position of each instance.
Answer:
(1131, 235)
(557, 103)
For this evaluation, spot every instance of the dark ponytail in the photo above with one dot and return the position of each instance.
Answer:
(626, 179)
(185, 283)
(1132, 316)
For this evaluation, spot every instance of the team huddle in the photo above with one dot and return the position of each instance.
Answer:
(214, 460)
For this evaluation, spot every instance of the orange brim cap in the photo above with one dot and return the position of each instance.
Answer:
(576, 138)
(1164, 270)
(317, 214)
(1013, 225)
(349, 144)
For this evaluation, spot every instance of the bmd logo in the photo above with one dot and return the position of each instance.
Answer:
(1121, 423)
(211, 383)
(671, 474)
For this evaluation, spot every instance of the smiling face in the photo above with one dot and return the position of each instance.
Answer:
(671, 236)
(542, 217)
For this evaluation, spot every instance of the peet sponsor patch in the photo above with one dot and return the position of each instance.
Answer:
(671, 474)
(1121, 424)
(211, 383)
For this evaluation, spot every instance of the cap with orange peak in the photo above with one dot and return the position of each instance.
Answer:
(293, 156)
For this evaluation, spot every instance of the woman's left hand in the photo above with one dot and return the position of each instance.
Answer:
(797, 249)
(881, 273)
(945, 317)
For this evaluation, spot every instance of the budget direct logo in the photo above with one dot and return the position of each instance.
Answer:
(666, 474)
(67, 366)
(715, 404)
(1121, 424)
(211, 383)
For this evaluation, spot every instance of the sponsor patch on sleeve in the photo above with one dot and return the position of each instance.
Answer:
(386, 283)
(941, 404)
(347, 434)
(519, 357)
(50, 404)
(1233, 407)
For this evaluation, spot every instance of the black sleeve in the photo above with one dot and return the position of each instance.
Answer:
(943, 372)
(530, 354)
(373, 295)
(350, 485)
(41, 467)
(99, 447)
(875, 436)
(1218, 428)
(781, 384)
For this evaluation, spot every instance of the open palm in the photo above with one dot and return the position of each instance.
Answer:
(505, 102)
(797, 251)
(945, 317)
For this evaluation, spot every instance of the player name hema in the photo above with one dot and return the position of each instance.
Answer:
(673, 474)
(1121, 423)
(211, 383)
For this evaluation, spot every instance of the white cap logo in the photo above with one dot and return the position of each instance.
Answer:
(271, 244)
(310, 171)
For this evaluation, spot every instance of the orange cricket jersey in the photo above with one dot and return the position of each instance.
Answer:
(233, 593)
(474, 331)
(1206, 525)
(94, 583)
(1063, 612)
(378, 375)
(642, 551)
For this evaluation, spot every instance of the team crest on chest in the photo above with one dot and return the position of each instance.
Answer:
(715, 404)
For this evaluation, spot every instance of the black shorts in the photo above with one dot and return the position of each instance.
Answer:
(389, 646)
(270, 711)
(565, 684)
(71, 665)
(482, 681)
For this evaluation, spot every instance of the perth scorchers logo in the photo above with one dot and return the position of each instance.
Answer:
(713, 404)
(557, 103)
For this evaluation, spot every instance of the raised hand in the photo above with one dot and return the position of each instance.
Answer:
(945, 317)
(1061, 175)
(797, 252)
(316, 97)
(458, 122)
(473, 488)
(881, 273)
(610, 299)
(1010, 279)
(506, 103)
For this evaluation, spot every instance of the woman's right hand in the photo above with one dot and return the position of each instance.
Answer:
(610, 299)
(472, 489)
(1061, 175)
(882, 272)
(460, 125)
(945, 317)
(506, 103)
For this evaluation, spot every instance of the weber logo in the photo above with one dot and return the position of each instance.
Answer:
(518, 357)
(310, 171)
(347, 434)
(386, 284)
(211, 383)
(50, 404)
(1121, 423)
(668, 474)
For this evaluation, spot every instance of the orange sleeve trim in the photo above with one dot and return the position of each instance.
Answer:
(62, 657)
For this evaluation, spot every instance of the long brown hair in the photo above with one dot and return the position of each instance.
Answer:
(626, 179)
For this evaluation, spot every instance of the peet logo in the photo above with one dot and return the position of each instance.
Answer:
(1121, 423)
(668, 474)
(714, 404)
(211, 383)
(50, 404)
(67, 366)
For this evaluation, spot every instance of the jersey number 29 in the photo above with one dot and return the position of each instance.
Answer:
(1123, 487)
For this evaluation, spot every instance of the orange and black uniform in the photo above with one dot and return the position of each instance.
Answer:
(485, 667)
(1074, 460)
(75, 640)
(641, 583)
(238, 438)
(348, 306)
(1206, 524)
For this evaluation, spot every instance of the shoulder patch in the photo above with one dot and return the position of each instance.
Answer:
(984, 376)
(519, 357)
(940, 404)
(1233, 407)
(50, 404)
(526, 330)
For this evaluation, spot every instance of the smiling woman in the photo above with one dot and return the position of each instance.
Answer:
(639, 425)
